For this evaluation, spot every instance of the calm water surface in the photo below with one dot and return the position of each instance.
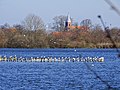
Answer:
(60, 75)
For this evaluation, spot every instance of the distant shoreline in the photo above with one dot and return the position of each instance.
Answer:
(59, 48)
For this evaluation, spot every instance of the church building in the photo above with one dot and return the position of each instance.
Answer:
(69, 26)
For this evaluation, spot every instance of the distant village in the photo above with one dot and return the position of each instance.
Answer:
(85, 24)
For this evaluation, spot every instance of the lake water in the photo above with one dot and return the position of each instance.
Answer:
(60, 75)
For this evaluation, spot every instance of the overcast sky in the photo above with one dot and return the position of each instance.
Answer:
(14, 11)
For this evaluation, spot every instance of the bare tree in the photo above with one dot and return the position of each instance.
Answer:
(87, 23)
(5, 26)
(33, 23)
(59, 21)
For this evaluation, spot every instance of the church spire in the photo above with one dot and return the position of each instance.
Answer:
(68, 18)
(68, 22)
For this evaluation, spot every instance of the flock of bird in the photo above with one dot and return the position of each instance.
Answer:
(50, 59)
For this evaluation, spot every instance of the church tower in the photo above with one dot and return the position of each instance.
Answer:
(68, 22)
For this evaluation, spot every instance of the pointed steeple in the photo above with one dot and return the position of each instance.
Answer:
(68, 18)
(68, 22)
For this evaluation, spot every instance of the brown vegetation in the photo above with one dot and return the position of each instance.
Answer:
(32, 34)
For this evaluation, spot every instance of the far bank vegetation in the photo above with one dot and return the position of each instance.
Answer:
(32, 33)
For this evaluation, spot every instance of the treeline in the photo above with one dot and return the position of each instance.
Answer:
(32, 33)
